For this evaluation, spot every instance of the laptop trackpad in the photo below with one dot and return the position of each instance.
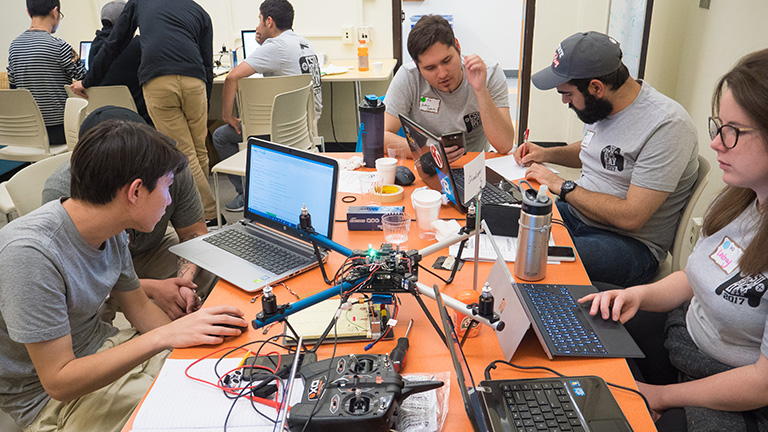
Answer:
(213, 258)
(609, 425)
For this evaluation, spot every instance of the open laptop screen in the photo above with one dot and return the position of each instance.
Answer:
(281, 179)
(249, 42)
(85, 51)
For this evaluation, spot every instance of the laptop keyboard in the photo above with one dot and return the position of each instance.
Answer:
(256, 250)
(557, 310)
(541, 406)
(491, 195)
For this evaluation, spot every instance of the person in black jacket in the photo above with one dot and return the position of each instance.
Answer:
(125, 69)
(176, 74)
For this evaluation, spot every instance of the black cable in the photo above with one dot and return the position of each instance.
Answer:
(432, 273)
(492, 365)
(333, 128)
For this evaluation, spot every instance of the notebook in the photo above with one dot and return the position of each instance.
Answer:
(267, 246)
(563, 326)
(582, 403)
(431, 163)
(85, 51)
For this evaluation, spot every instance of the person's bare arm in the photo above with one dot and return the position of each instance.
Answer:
(497, 122)
(185, 268)
(229, 92)
(391, 138)
(528, 153)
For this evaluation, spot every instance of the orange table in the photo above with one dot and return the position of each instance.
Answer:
(427, 353)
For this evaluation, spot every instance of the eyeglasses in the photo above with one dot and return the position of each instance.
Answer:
(61, 15)
(729, 134)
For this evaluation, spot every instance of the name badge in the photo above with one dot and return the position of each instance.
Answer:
(587, 139)
(430, 105)
(727, 255)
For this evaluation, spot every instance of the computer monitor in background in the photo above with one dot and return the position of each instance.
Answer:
(249, 42)
(85, 50)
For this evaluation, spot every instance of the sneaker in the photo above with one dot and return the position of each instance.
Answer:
(236, 204)
(214, 224)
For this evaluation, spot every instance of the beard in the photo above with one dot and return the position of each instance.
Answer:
(594, 109)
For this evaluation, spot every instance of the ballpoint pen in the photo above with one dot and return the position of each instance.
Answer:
(525, 139)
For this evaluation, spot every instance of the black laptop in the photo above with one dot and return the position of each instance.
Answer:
(430, 161)
(571, 404)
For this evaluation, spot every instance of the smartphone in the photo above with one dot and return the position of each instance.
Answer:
(453, 139)
(561, 253)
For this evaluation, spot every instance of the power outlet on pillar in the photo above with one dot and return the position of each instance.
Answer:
(347, 35)
(364, 33)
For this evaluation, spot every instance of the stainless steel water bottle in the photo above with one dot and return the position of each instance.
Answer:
(372, 129)
(533, 234)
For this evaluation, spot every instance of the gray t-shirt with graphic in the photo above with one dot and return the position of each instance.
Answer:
(411, 95)
(650, 144)
(727, 317)
(288, 54)
(52, 283)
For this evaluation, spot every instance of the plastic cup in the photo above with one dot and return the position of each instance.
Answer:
(426, 204)
(396, 227)
(378, 67)
(386, 167)
(398, 151)
(370, 187)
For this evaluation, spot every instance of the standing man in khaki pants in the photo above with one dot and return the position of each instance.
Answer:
(176, 74)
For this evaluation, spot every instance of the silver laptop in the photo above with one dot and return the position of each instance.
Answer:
(85, 52)
(267, 246)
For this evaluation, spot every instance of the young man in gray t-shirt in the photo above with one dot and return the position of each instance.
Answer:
(446, 93)
(638, 158)
(282, 53)
(59, 362)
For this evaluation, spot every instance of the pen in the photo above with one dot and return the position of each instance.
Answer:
(242, 362)
(525, 139)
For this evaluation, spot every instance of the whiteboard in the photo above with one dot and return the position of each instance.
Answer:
(626, 24)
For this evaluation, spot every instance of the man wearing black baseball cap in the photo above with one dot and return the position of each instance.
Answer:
(638, 157)
(173, 283)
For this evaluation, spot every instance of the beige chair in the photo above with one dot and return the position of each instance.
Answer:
(22, 129)
(7, 207)
(686, 234)
(26, 186)
(99, 96)
(290, 119)
(233, 165)
(255, 97)
(74, 114)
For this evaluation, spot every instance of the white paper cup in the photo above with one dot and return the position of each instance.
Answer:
(386, 167)
(378, 67)
(426, 204)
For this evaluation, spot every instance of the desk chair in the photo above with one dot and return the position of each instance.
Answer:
(687, 233)
(255, 98)
(22, 129)
(290, 119)
(99, 96)
(233, 165)
(7, 207)
(74, 114)
(26, 186)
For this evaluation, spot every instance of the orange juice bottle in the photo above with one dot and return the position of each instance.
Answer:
(362, 56)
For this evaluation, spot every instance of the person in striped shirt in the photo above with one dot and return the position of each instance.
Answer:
(44, 64)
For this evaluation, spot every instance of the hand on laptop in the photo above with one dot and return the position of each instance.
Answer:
(175, 296)
(454, 153)
(617, 305)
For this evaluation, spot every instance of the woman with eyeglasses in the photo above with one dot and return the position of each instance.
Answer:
(715, 337)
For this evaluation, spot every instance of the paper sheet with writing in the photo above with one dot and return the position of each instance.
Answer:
(508, 168)
(507, 245)
(177, 403)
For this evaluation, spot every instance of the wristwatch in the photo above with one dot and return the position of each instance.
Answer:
(566, 187)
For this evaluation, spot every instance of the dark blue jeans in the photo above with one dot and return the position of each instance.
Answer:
(607, 256)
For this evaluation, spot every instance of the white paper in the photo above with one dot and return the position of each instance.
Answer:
(474, 177)
(507, 245)
(349, 181)
(508, 168)
(177, 403)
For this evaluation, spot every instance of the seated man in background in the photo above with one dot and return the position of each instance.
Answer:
(166, 278)
(282, 52)
(125, 69)
(65, 369)
(638, 158)
(44, 64)
(446, 93)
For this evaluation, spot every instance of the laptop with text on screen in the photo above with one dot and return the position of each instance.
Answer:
(85, 52)
(266, 247)
(431, 163)
(568, 404)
